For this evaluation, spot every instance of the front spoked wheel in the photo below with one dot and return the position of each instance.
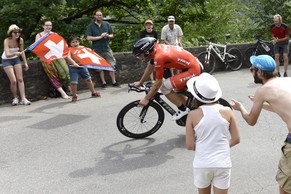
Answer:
(250, 52)
(208, 61)
(135, 121)
(234, 59)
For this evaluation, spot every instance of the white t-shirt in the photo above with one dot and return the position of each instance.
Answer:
(171, 35)
(212, 139)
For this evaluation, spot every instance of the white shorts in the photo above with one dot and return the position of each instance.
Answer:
(219, 177)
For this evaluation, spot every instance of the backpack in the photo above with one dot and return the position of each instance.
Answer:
(53, 92)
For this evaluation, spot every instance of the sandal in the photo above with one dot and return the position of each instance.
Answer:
(74, 98)
(104, 85)
(96, 94)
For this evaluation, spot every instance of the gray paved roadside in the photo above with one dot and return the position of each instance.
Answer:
(54, 146)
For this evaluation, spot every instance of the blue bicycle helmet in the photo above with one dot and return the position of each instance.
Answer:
(144, 45)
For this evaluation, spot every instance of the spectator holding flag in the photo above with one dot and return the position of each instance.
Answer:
(57, 70)
(13, 48)
(78, 69)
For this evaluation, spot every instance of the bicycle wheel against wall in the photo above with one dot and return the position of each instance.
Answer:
(208, 62)
(234, 59)
(250, 52)
(135, 121)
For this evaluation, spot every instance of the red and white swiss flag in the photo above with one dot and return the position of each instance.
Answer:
(50, 47)
(90, 59)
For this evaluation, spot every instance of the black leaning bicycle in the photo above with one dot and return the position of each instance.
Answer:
(260, 47)
(136, 121)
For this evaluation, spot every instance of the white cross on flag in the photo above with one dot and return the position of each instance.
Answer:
(50, 47)
(90, 59)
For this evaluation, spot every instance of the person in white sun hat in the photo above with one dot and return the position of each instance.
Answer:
(12, 65)
(211, 130)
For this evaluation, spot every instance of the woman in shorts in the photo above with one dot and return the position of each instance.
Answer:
(13, 48)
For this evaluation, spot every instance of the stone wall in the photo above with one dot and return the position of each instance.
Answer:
(129, 70)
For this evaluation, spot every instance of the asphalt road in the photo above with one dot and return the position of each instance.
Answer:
(54, 146)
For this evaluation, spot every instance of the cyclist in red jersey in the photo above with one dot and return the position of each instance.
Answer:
(167, 56)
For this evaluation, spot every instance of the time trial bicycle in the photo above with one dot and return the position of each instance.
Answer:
(137, 121)
(232, 57)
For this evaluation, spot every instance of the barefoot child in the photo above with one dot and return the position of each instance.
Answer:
(75, 69)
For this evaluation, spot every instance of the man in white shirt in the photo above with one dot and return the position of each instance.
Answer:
(172, 33)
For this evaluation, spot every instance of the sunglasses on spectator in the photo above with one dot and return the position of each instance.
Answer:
(16, 32)
(253, 69)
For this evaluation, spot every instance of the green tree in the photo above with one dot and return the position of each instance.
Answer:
(222, 17)
(72, 17)
(198, 18)
(261, 14)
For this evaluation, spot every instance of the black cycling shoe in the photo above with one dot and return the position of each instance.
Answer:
(116, 85)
